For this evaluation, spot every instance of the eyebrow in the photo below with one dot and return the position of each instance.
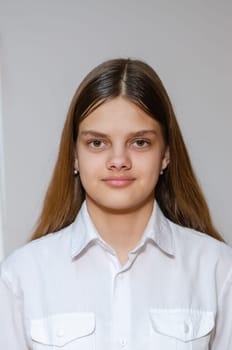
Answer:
(100, 134)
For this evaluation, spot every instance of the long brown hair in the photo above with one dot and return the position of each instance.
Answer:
(177, 191)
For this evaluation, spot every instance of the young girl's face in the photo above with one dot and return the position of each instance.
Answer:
(120, 154)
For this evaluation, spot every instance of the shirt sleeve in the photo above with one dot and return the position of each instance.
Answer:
(222, 338)
(12, 335)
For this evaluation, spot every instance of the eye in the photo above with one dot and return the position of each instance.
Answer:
(96, 143)
(141, 143)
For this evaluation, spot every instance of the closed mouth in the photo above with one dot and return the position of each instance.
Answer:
(118, 181)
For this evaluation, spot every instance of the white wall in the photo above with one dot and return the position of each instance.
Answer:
(2, 177)
(49, 46)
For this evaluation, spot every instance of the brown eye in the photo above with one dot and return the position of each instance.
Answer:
(96, 143)
(141, 143)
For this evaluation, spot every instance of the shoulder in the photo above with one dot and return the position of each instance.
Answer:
(185, 237)
(40, 247)
(197, 239)
(207, 252)
(34, 255)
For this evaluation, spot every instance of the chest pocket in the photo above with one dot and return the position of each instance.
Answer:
(66, 331)
(181, 329)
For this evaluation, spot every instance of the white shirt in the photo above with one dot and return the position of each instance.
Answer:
(68, 291)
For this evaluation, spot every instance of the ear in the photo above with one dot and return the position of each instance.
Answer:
(76, 164)
(166, 159)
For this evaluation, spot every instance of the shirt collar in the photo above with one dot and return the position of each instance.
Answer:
(83, 231)
(158, 230)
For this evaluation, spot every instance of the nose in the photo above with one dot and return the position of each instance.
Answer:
(119, 160)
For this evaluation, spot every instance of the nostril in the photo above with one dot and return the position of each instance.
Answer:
(119, 163)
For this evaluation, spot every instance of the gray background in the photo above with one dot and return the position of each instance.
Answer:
(47, 47)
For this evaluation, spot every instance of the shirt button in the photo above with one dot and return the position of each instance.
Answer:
(186, 328)
(60, 333)
(120, 276)
(123, 343)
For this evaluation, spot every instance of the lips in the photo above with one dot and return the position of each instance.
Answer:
(118, 181)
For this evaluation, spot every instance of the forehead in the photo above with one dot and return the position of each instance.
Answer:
(118, 116)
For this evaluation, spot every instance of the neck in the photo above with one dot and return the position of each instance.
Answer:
(122, 230)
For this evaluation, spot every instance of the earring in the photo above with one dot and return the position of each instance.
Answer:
(75, 172)
(161, 173)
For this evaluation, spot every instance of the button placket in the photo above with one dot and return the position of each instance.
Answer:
(121, 310)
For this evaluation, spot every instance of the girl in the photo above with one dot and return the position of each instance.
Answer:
(125, 255)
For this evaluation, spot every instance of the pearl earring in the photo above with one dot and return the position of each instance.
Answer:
(75, 172)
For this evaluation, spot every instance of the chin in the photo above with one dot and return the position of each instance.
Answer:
(121, 206)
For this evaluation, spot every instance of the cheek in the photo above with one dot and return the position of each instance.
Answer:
(89, 167)
(148, 163)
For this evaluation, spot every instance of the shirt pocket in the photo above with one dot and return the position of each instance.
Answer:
(67, 331)
(178, 329)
